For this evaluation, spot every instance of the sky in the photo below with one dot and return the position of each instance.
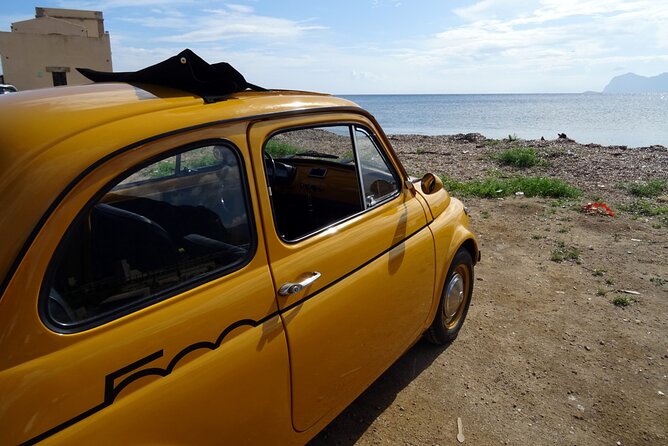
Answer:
(391, 46)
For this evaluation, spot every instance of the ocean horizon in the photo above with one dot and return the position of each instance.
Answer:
(633, 120)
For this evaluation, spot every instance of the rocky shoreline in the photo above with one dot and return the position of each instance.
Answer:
(597, 170)
(564, 342)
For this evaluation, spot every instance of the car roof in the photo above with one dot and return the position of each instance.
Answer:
(48, 137)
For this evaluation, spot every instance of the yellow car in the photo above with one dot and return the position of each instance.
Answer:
(189, 261)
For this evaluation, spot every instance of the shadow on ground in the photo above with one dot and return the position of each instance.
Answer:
(349, 426)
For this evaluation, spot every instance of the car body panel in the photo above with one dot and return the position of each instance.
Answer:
(236, 310)
(56, 134)
(364, 264)
(227, 360)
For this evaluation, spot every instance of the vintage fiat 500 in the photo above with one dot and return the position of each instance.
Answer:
(186, 259)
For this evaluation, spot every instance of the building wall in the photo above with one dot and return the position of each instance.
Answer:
(50, 25)
(37, 48)
(90, 20)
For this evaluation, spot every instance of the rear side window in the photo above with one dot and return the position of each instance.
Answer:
(165, 227)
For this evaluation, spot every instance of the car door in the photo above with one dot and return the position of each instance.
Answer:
(144, 311)
(350, 254)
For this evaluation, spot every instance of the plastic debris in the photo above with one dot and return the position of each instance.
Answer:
(460, 431)
(519, 194)
(599, 208)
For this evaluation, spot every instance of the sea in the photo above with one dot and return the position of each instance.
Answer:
(632, 120)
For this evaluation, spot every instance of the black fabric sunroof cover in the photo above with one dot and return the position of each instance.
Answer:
(186, 71)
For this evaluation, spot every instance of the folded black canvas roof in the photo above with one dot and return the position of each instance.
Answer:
(186, 71)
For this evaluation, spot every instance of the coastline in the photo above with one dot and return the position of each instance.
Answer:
(598, 170)
(564, 335)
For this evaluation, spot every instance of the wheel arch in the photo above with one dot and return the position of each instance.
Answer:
(472, 247)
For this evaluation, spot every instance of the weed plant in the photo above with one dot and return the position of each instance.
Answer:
(493, 187)
(646, 208)
(623, 301)
(652, 188)
(518, 157)
(563, 252)
(279, 149)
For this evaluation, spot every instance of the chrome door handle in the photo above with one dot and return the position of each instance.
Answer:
(294, 288)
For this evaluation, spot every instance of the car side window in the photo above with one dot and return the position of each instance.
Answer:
(169, 225)
(378, 179)
(323, 175)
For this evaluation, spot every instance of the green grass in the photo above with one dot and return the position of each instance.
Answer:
(493, 187)
(518, 157)
(658, 281)
(598, 272)
(279, 149)
(565, 253)
(601, 291)
(162, 168)
(623, 301)
(651, 188)
(204, 160)
(646, 208)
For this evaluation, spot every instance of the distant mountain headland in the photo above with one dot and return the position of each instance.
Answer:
(633, 83)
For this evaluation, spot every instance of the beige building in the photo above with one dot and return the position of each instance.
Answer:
(44, 51)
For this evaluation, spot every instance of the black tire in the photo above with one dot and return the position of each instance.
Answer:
(452, 312)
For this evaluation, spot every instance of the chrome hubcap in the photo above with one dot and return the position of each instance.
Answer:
(454, 296)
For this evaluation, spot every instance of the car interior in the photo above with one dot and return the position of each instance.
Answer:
(147, 236)
(320, 180)
(185, 217)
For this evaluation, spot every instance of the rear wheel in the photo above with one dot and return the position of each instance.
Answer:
(455, 300)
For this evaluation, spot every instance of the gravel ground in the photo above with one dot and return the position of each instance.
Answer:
(545, 356)
(597, 170)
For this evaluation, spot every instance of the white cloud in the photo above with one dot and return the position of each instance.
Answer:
(493, 46)
(231, 22)
(104, 5)
(552, 41)
(243, 9)
(492, 9)
(380, 3)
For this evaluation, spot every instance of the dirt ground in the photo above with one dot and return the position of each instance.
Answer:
(545, 357)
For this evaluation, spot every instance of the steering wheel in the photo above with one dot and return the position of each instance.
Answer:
(270, 167)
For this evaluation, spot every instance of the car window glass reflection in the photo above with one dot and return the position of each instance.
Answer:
(176, 220)
(320, 176)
